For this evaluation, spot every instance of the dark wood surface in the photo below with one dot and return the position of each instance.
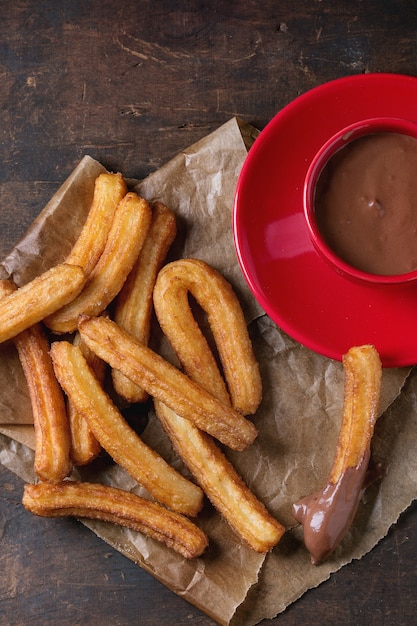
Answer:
(132, 83)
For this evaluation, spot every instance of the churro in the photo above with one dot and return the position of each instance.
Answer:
(52, 438)
(133, 309)
(110, 504)
(109, 189)
(226, 321)
(39, 298)
(125, 240)
(84, 446)
(207, 463)
(221, 483)
(327, 515)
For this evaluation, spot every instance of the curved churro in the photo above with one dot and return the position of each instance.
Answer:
(39, 298)
(110, 504)
(109, 189)
(115, 435)
(165, 382)
(219, 480)
(52, 437)
(327, 515)
(134, 303)
(227, 324)
(126, 237)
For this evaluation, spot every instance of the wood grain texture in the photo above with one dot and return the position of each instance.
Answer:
(132, 84)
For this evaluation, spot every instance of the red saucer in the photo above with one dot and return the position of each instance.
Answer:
(309, 300)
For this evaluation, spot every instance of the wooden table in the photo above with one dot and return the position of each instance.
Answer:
(131, 84)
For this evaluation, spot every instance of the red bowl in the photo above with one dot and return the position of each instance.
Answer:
(340, 140)
(286, 268)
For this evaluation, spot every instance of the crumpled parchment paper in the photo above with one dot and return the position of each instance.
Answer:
(298, 421)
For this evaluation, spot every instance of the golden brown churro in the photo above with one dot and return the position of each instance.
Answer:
(109, 189)
(221, 483)
(84, 445)
(134, 303)
(52, 438)
(227, 324)
(166, 383)
(115, 435)
(109, 504)
(126, 237)
(42, 296)
(327, 515)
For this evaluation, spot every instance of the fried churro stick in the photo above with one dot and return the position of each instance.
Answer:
(134, 302)
(115, 435)
(84, 446)
(42, 296)
(110, 504)
(109, 189)
(166, 383)
(126, 237)
(52, 439)
(327, 515)
(219, 480)
(227, 323)
(52, 434)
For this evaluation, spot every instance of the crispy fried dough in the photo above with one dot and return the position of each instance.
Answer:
(362, 370)
(84, 446)
(221, 483)
(166, 383)
(134, 303)
(109, 504)
(109, 189)
(227, 324)
(40, 297)
(126, 237)
(327, 515)
(52, 437)
(115, 435)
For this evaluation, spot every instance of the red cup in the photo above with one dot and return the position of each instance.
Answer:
(338, 141)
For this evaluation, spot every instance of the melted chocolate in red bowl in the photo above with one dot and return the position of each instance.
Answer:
(361, 201)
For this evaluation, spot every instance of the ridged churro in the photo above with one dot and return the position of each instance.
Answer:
(226, 321)
(109, 189)
(327, 515)
(39, 298)
(126, 237)
(109, 504)
(52, 437)
(134, 304)
(219, 480)
(84, 445)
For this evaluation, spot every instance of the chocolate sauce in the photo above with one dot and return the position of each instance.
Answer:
(366, 203)
(327, 514)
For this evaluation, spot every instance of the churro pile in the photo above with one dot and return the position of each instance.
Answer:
(93, 312)
(103, 297)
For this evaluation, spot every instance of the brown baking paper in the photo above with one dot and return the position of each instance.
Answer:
(298, 420)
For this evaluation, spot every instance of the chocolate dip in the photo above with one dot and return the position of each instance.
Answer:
(366, 203)
(327, 514)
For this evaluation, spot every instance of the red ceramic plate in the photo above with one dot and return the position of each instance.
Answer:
(297, 288)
